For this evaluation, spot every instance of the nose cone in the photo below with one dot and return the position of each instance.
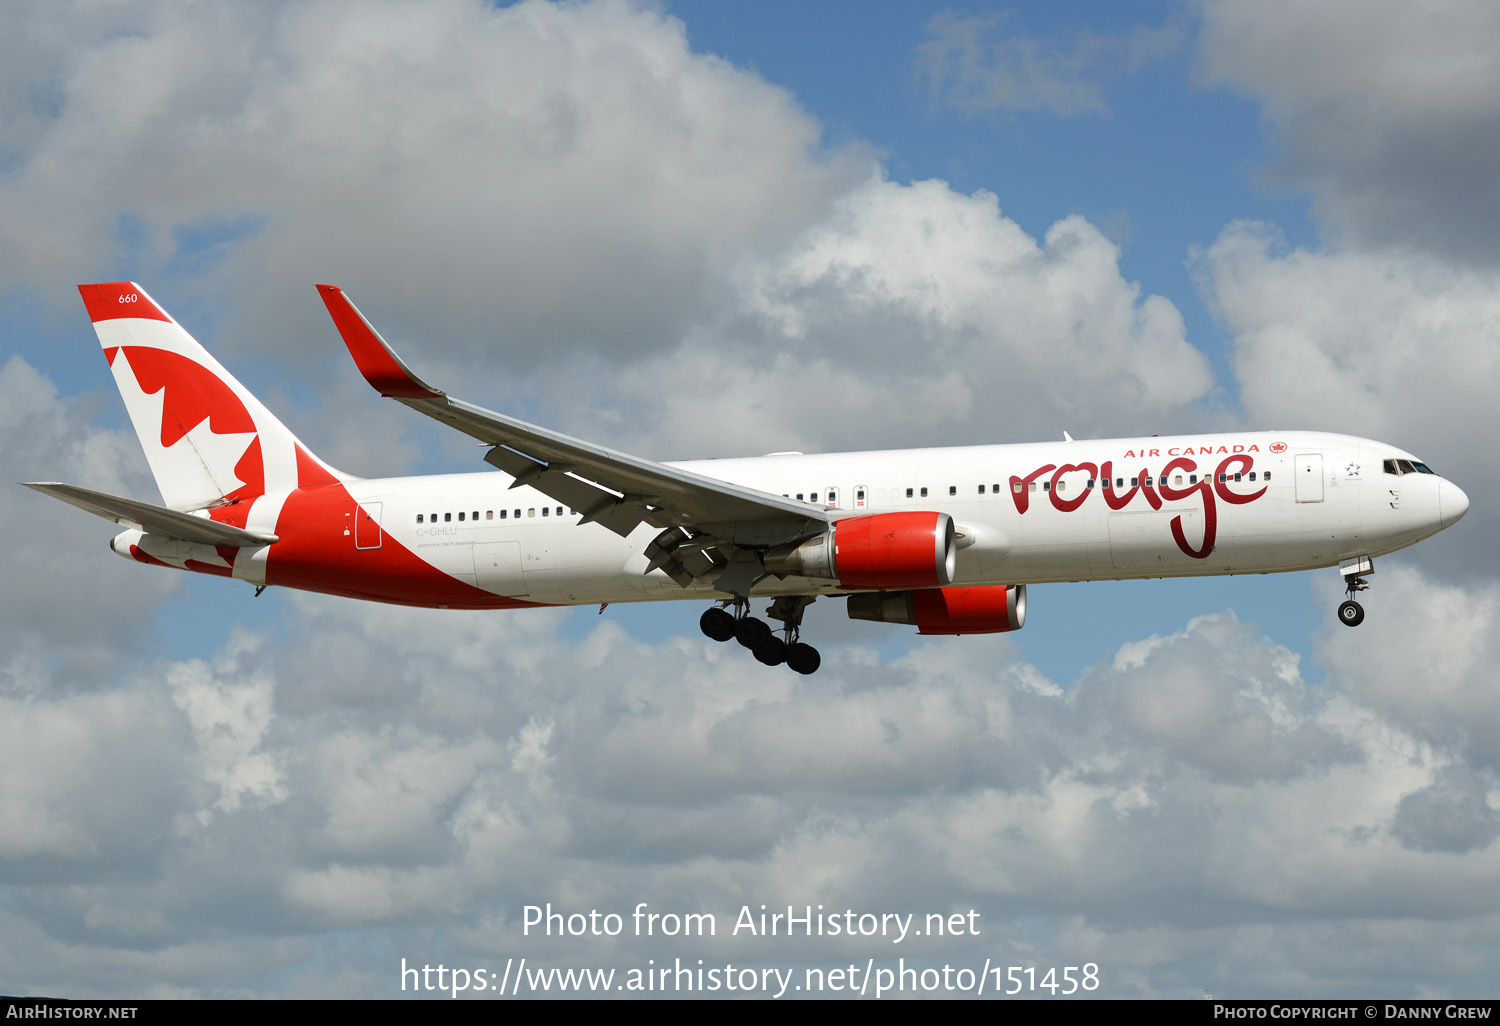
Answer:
(1452, 503)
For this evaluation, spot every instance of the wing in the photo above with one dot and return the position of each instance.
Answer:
(152, 519)
(704, 522)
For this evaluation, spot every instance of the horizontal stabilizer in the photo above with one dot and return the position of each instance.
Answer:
(152, 519)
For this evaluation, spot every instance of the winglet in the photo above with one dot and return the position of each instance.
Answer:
(382, 368)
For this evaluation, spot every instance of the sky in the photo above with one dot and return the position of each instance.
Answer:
(695, 229)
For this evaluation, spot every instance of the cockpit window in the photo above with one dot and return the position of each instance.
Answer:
(1407, 467)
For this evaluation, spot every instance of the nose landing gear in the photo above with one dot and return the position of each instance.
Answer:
(1351, 613)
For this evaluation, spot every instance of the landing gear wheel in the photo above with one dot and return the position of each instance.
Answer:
(1351, 613)
(717, 624)
(772, 651)
(803, 658)
(752, 632)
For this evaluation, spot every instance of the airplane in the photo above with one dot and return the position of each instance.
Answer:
(944, 539)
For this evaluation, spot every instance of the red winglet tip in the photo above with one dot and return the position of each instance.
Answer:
(381, 367)
(109, 300)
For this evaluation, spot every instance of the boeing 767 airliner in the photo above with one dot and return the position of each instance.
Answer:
(943, 539)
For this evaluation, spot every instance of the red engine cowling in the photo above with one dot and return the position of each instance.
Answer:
(882, 550)
(991, 609)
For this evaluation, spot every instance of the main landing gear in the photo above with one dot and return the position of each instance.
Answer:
(758, 636)
(1351, 613)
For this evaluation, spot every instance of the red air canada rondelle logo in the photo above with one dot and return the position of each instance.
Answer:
(1278, 447)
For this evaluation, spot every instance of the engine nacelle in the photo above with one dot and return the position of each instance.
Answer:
(882, 550)
(991, 609)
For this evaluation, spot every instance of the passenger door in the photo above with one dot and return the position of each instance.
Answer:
(1309, 477)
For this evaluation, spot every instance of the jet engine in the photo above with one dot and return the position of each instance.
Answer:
(882, 550)
(990, 609)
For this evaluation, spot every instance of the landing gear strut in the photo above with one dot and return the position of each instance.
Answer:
(801, 657)
(1351, 613)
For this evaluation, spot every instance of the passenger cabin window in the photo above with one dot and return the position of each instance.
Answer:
(447, 517)
(475, 515)
(981, 489)
(531, 512)
(489, 514)
(419, 518)
(460, 516)
(545, 511)
(502, 514)
(908, 493)
(1016, 487)
(924, 493)
(953, 489)
(995, 488)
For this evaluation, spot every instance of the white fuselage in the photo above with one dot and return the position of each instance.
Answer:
(1314, 500)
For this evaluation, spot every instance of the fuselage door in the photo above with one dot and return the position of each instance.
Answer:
(497, 568)
(367, 525)
(1310, 477)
